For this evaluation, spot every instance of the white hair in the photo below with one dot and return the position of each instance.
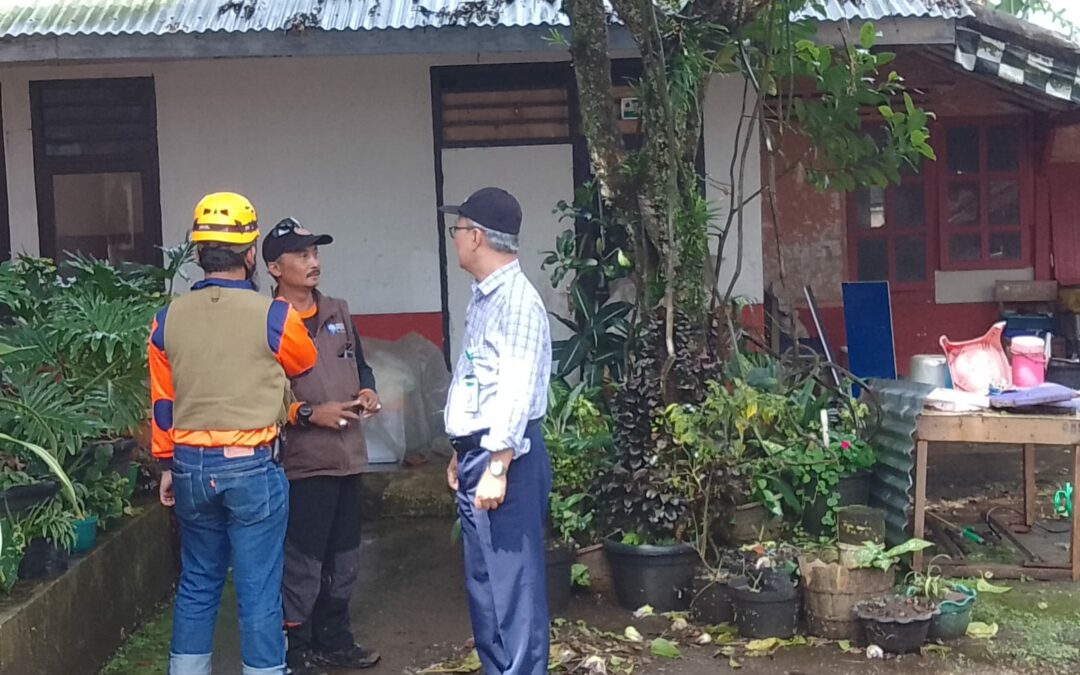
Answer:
(500, 242)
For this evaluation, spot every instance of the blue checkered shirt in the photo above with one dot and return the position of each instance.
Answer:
(507, 346)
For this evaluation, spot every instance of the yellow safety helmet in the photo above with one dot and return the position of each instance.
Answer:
(225, 218)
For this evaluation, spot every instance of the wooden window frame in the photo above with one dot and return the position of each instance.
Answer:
(1024, 175)
(46, 168)
(935, 177)
(891, 233)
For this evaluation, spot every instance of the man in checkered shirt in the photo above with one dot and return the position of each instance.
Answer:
(500, 468)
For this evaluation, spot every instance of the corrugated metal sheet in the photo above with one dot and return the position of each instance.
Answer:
(901, 402)
(837, 10)
(161, 17)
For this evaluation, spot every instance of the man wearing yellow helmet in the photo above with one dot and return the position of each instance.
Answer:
(220, 358)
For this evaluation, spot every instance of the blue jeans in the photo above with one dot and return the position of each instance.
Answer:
(231, 511)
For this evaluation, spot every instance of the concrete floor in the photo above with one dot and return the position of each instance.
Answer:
(410, 603)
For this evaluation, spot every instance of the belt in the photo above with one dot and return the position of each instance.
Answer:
(472, 441)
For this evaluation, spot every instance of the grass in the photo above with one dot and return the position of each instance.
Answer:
(1040, 626)
(146, 652)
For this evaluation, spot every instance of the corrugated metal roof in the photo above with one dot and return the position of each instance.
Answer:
(837, 10)
(901, 402)
(162, 17)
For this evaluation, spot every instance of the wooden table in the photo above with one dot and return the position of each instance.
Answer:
(1027, 431)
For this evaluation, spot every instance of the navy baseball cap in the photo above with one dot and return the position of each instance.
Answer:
(493, 208)
(289, 236)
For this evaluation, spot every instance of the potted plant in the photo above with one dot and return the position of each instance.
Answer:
(569, 518)
(899, 624)
(49, 530)
(955, 602)
(841, 478)
(578, 439)
(831, 589)
(765, 597)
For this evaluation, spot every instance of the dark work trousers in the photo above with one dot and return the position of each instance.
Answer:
(322, 559)
(504, 558)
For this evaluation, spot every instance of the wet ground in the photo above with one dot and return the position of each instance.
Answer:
(410, 604)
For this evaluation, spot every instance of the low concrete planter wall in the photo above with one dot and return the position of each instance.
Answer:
(74, 623)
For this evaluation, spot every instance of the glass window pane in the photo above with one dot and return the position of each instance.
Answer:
(910, 205)
(965, 247)
(1005, 246)
(962, 149)
(1004, 207)
(1003, 148)
(99, 214)
(873, 259)
(911, 259)
(963, 204)
(870, 208)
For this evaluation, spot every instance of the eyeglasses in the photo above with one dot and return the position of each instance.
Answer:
(284, 228)
(454, 229)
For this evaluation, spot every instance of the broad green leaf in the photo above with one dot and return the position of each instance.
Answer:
(631, 634)
(909, 546)
(867, 34)
(665, 648)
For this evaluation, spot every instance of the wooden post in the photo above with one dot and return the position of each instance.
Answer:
(919, 515)
(1074, 549)
(1030, 491)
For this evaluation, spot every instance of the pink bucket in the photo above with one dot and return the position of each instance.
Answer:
(1028, 361)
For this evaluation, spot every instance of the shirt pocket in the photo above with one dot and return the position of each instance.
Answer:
(485, 364)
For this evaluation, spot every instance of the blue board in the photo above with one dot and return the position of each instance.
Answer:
(869, 329)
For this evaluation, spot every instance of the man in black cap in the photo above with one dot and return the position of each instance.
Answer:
(324, 456)
(500, 468)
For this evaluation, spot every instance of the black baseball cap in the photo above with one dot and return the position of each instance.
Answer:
(494, 208)
(289, 236)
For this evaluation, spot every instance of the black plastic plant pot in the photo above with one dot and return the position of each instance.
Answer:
(559, 560)
(896, 624)
(660, 576)
(772, 611)
(21, 498)
(42, 559)
(712, 603)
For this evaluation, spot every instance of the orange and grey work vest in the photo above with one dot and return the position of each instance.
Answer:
(316, 451)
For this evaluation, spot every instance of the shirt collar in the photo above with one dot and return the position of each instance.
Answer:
(223, 283)
(497, 278)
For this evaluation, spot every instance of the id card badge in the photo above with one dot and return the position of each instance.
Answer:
(472, 394)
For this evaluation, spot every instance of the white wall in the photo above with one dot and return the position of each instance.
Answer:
(538, 176)
(345, 145)
(723, 107)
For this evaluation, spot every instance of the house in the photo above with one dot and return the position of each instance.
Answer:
(359, 117)
(998, 204)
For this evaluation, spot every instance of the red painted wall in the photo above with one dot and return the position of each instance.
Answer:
(396, 326)
(917, 327)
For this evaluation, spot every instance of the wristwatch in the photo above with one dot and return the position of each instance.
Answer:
(496, 468)
(303, 415)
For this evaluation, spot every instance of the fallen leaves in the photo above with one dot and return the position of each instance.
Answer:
(982, 631)
(632, 634)
(984, 586)
(665, 648)
(470, 663)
